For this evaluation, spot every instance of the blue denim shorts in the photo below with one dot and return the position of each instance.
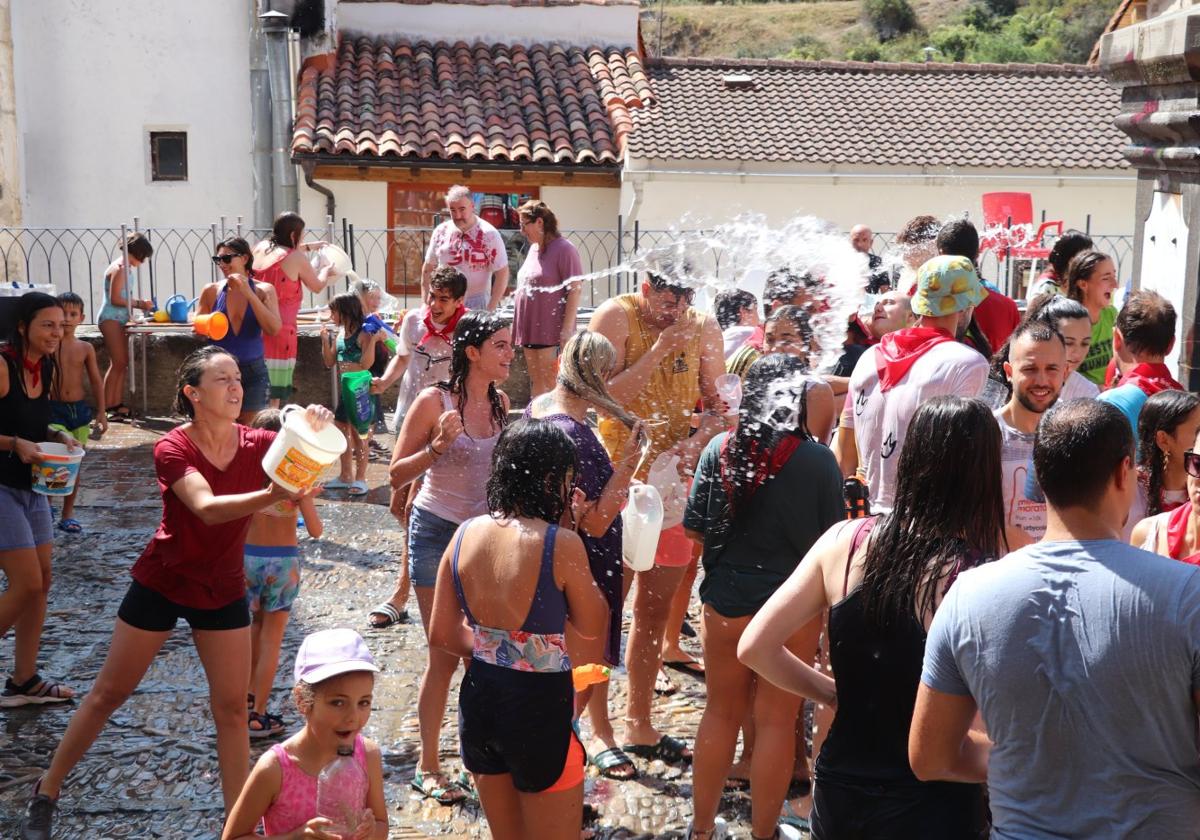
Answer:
(25, 520)
(428, 536)
(254, 384)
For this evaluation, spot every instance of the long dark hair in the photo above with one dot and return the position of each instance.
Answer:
(473, 329)
(948, 503)
(286, 230)
(531, 464)
(189, 374)
(29, 305)
(774, 406)
(240, 247)
(349, 309)
(1082, 266)
(1163, 412)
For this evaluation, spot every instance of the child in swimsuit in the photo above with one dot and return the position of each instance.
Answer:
(505, 589)
(335, 677)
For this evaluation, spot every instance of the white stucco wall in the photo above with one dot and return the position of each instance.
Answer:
(362, 202)
(93, 78)
(582, 25)
(584, 208)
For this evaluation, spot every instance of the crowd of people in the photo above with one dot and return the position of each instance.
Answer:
(970, 541)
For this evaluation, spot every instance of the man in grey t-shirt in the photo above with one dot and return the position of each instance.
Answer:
(1081, 653)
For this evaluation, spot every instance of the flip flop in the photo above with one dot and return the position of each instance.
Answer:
(390, 614)
(663, 685)
(691, 667)
(336, 484)
(120, 411)
(70, 525)
(668, 749)
(358, 488)
(427, 785)
(612, 758)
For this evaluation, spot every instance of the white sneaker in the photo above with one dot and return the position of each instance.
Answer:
(720, 830)
(788, 832)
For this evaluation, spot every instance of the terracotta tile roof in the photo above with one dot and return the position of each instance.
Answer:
(897, 115)
(512, 2)
(542, 104)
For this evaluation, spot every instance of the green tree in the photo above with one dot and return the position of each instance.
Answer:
(890, 18)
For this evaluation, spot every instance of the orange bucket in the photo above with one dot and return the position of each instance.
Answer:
(214, 325)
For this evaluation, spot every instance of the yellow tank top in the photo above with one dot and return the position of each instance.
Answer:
(671, 394)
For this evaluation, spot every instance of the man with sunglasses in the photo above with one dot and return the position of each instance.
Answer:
(669, 357)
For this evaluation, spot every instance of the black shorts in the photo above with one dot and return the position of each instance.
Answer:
(516, 722)
(146, 609)
(931, 811)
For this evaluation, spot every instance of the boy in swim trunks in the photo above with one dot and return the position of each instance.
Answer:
(69, 411)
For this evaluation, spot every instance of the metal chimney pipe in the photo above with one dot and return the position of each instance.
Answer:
(285, 194)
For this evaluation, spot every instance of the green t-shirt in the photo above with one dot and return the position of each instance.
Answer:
(1095, 363)
(784, 519)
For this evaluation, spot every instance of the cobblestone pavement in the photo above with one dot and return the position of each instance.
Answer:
(153, 771)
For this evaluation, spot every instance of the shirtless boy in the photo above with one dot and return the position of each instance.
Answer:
(69, 410)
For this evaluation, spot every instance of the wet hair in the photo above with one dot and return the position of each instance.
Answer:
(918, 231)
(531, 466)
(69, 299)
(1051, 309)
(1038, 331)
(1162, 412)
(349, 309)
(364, 286)
(1065, 248)
(473, 329)
(729, 306)
(948, 504)
(138, 246)
(28, 306)
(763, 422)
(450, 279)
(799, 318)
(533, 210)
(270, 419)
(785, 284)
(959, 238)
(1082, 266)
(661, 281)
(190, 371)
(1080, 444)
(457, 193)
(240, 247)
(586, 360)
(1147, 323)
(286, 231)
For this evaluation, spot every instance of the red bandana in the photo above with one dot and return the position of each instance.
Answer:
(1151, 378)
(34, 369)
(898, 351)
(1177, 524)
(765, 463)
(446, 333)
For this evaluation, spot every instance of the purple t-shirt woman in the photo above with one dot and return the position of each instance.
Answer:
(538, 315)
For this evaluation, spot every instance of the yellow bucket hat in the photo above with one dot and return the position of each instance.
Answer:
(946, 285)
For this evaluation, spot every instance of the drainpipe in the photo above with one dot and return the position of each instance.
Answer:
(275, 25)
(330, 204)
(260, 125)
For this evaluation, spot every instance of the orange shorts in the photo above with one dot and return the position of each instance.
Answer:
(572, 774)
(674, 548)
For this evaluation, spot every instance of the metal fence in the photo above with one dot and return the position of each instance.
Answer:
(76, 259)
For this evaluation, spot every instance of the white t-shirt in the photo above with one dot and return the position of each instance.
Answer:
(880, 419)
(1079, 387)
(734, 337)
(477, 254)
(428, 363)
(1016, 460)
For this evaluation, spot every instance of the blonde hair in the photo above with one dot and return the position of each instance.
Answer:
(585, 358)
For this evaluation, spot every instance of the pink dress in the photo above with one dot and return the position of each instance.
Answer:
(296, 803)
(279, 350)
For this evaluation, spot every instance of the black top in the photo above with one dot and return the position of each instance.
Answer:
(27, 418)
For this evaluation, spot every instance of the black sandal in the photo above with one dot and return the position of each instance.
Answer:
(668, 749)
(120, 411)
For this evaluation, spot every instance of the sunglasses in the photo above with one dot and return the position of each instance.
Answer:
(1191, 463)
(224, 258)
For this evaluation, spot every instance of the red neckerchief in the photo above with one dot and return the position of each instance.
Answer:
(898, 351)
(446, 333)
(765, 463)
(34, 369)
(1176, 528)
(1151, 378)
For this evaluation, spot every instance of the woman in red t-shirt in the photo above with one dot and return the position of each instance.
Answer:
(210, 474)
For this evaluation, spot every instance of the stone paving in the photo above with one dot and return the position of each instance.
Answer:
(153, 771)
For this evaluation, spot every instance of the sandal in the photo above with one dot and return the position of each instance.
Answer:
(336, 484)
(668, 749)
(267, 725)
(358, 488)
(120, 411)
(70, 525)
(691, 667)
(390, 614)
(449, 792)
(663, 685)
(35, 691)
(609, 762)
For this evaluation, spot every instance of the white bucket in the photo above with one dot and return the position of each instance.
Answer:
(641, 522)
(331, 255)
(299, 454)
(55, 476)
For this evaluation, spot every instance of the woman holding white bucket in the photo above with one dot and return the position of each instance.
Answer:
(211, 476)
(602, 486)
(26, 538)
(448, 436)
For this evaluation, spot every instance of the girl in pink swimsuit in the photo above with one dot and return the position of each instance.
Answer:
(335, 677)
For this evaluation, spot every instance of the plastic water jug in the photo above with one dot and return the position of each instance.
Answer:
(300, 454)
(641, 522)
(672, 489)
(342, 792)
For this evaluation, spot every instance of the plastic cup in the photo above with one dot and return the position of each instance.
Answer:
(729, 388)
